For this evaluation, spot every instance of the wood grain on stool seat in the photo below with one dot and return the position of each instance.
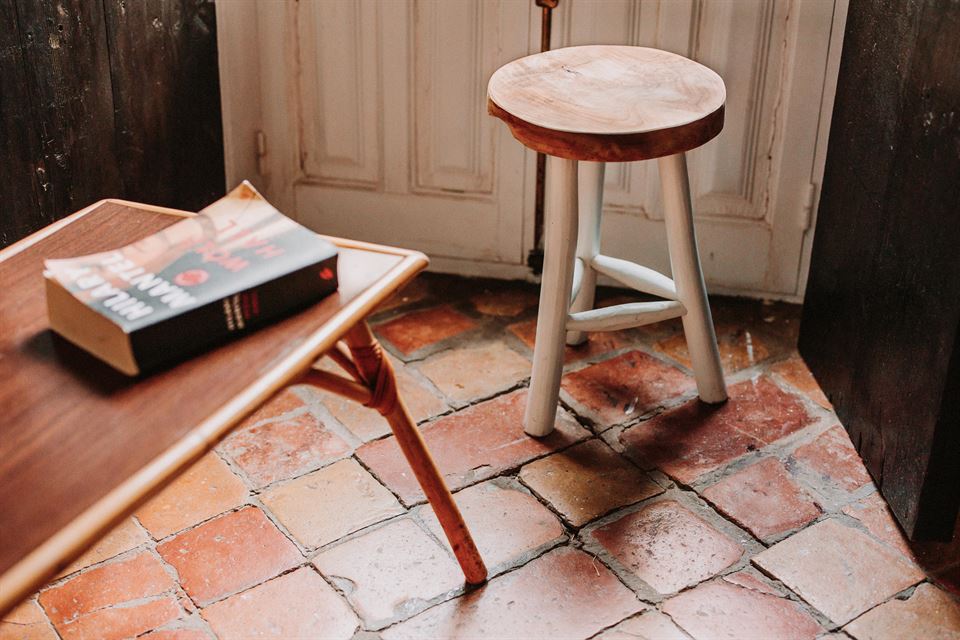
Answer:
(608, 103)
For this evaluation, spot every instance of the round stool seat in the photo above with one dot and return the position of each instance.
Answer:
(607, 103)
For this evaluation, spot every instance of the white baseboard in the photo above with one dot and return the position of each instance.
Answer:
(506, 271)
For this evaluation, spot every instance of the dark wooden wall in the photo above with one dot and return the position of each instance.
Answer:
(882, 309)
(106, 98)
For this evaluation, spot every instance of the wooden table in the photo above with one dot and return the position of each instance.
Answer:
(81, 445)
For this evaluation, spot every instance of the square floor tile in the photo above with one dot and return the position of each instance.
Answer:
(420, 329)
(668, 546)
(206, 489)
(832, 456)
(874, 514)
(296, 605)
(763, 499)
(587, 481)
(649, 625)
(929, 613)
(504, 302)
(326, 505)
(122, 622)
(794, 371)
(124, 537)
(392, 572)
(740, 347)
(838, 569)
(722, 610)
(284, 448)
(26, 622)
(617, 390)
(596, 344)
(476, 371)
(129, 579)
(228, 554)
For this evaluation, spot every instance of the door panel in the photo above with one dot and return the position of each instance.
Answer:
(394, 144)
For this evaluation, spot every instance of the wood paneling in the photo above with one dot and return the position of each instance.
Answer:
(67, 75)
(19, 167)
(106, 99)
(166, 93)
(882, 311)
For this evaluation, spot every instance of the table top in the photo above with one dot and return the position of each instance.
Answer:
(82, 445)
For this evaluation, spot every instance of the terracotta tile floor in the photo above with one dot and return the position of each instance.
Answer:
(645, 515)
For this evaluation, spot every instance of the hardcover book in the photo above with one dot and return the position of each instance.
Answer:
(206, 279)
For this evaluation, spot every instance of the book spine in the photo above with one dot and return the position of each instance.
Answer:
(187, 334)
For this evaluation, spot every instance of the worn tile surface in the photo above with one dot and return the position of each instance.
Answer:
(649, 625)
(420, 329)
(719, 609)
(616, 390)
(740, 347)
(284, 449)
(471, 373)
(834, 458)
(229, 553)
(596, 345)
(668, 546)
(587, 481)
(697, 438)
(296, 605)
(527, 603)
(795, 372)
(763, 499)
(928, 613)
(643, 532)
(384, 585)
(471, 445)
(27, 621)
(838, 569)
(123, 537)
(325, 505)
(206, 489)
(129, 579)
(507, 523)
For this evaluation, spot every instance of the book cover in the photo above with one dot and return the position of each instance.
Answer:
(207, 278)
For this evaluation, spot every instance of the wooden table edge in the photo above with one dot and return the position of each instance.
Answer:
(43, 563)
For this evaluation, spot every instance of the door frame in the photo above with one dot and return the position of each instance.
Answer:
(253, 128)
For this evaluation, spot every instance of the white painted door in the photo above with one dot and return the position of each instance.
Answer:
(367, 119)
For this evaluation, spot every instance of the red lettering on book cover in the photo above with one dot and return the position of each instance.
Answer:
(191, 277)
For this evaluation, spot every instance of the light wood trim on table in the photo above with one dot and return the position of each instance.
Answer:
(46, 560)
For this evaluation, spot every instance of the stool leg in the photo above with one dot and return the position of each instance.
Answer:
(590, 208)
(688, 277)
(560, 238)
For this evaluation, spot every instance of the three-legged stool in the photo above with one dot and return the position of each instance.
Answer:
(597, 104)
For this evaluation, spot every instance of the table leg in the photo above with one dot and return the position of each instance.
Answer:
(377, 373)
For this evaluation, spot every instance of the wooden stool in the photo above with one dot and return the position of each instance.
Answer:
(597, 104)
